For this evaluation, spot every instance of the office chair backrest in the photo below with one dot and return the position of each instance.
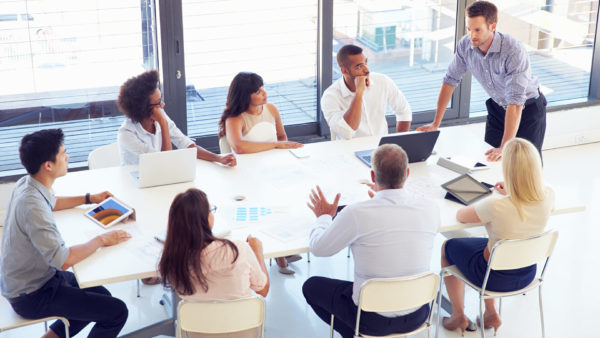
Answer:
(104, 157)
(221, 316)
(396, 294)
(520, 253)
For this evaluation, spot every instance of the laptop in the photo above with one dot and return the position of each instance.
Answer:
(417, 145)
(166, 167)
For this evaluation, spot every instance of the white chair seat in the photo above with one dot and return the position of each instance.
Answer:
(9, 319)
(493, 294)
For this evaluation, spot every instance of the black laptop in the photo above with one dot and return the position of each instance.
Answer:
(417, 145)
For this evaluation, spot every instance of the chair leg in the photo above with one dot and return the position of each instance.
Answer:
(500, 308)
(66, 324)
(308, 257)
(270, 261)
(439, 304)
(348, 252)
(45, 326)
(542, 312)
(331, 326)
(138, 288)
(482, 324)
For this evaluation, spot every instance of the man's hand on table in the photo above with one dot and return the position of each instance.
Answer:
(99, 197)
(114, 237)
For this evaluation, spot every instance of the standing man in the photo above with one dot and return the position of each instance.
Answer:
(391, 235)
(501, 65)
(34, 255)
(354, 105)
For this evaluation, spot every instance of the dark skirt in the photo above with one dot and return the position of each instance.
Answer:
(467, 255)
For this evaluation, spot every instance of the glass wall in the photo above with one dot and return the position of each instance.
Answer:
(559, 36)
(276, 39)
(410, 41)
(61, 65)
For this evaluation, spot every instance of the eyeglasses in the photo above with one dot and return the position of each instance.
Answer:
(156, 104)
(213, 209)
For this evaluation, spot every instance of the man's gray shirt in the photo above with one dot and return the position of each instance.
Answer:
(504, 72)
(32, 247)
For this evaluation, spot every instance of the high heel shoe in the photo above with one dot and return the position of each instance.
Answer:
(451, 326)
(491, 322)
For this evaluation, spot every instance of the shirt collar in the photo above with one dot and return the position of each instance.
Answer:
(48, 196)
(391, 194)
(494, 47)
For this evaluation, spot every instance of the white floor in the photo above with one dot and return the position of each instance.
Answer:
(571, 301)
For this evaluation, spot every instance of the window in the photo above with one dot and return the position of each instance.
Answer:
(275, 39)
(410, 41)
(61, 64)
(559, 36)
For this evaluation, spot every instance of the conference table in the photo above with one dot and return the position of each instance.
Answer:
(265, 195)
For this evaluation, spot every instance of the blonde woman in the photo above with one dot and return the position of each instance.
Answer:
(522, 212)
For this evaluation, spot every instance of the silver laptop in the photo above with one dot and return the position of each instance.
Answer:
(417, 145)
(166, 167)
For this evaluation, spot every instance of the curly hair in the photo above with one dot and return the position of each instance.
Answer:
(134, 95)
(242, 86)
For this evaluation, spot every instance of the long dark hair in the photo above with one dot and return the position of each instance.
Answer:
(188, 233)
(242, 86)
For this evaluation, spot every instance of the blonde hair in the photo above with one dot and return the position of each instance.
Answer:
(522, 169)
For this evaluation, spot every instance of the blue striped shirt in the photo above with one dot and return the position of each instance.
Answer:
(504, 72)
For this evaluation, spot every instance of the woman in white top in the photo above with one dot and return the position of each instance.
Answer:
(522, 213)
(147, 127)
(249, 124)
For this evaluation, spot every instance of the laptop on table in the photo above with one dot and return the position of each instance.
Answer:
(417, 145)
(166, 167)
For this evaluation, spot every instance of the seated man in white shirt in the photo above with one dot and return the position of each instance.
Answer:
(147, 127)
(390, 235)
(355, 104)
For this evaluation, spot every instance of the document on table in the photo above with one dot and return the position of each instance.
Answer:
(292, 230)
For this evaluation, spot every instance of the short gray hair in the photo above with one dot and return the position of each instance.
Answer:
(389, 164)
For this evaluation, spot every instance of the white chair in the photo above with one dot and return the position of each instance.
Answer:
(224, 145)
(221, 316)
(104, 157)
(397, 294)
(508, 255)
(9, 319)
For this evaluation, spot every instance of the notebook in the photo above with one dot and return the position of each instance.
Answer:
(166, 167)
(417, 145)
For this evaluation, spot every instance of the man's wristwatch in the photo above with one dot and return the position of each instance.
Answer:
(87, 198)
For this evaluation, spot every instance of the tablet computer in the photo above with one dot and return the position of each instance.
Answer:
(466, 189)
(109, 212)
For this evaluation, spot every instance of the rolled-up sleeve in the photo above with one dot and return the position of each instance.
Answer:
(330, 236)
(517, 77)
(458, 66)
(397, 102)
(333, 111)
(44, 235)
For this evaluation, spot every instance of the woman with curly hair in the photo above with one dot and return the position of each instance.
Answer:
(249, 124)
(148, 128)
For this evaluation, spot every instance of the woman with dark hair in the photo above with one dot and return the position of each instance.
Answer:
(200, 266)
(249, 124)
(148, 128)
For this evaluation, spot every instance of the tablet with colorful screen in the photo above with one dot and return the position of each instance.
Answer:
(109, 212)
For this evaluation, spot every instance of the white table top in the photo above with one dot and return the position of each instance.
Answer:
(274, 180)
